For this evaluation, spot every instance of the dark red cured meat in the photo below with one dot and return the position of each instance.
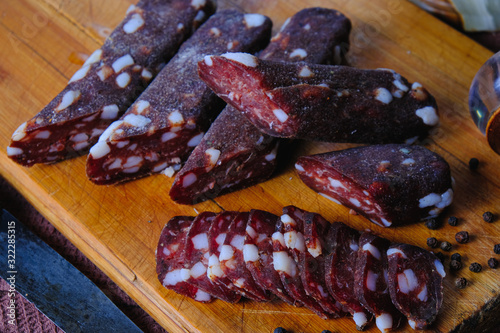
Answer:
(342, 243)
(247, 156)
(370, 285)
(232, 262)
(159, 131)
(288, 244)
(197, 256)
(312, 263)
(389, 184)
(109, 81)
(216, 237)
(258, 254)
(415, 280)
(170, 259)
(322, 102)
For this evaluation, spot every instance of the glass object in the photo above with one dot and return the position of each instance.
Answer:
(484, 101)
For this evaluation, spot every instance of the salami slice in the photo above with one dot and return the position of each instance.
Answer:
(245, 156)
(389, 184)
(258, 254)
(109, 81)
(340, 268)
(232, 261)
(159, 131)
(415, 279)
(322, 102)
(288, 244)
(312, 263)
(196, 259)
(370, 281)
(170, 259)
(216, 237)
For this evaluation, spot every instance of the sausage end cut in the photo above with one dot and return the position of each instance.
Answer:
(389, 184)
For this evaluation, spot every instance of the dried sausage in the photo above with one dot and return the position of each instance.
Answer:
(415, 279)
(232, 261)
(170, 259)
(312, 263)
(370, 281)
(216, 237)
(342, 244)
(196, 259)
(322, 102)
(245, 156)
(389, 184)
(159, 131)
(288, 244)
(109, 81)
(258, 254)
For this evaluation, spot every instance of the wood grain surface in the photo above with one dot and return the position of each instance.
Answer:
(43, 42)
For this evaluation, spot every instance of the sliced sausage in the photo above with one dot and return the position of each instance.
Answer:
(415, 279)
(370, 281)
(312, 263)
(258, 254)
(159, 131)
(216, 236)
(196, 259)
(288, 244)
(322, 102)
(389, 184)
(232, 261)
(342, 244)
(109, 81)
(245, 156)
(170, 259)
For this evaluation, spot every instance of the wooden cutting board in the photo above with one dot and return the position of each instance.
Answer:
(43, 42)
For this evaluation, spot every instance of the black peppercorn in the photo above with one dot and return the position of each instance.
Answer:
(462, 237)
(473, 163)
(475, 267)
(432, 224)
(493, 263)
(461, 283)
(488, 217)
(455, 265)
(496, 248)
(440, 256)
(446, 246)
(280, 330)
(456, 256)
(432, 242)
(453, 221)
(326, 331)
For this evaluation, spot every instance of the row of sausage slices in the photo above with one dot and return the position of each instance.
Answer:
(304, 260)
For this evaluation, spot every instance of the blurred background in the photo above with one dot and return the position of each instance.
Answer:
(479, 19)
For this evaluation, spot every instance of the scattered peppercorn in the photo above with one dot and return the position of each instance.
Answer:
(496, 248)
(280, 330)
(455, 265)
(493, 263)
(473, 163)
(475, 267)
(432, 224)
(456, 256)
(462, 237)
(446, 246)
(461, 283)
(440, 256)
(432, 242)
(453, 221)
(326, 331)
(488, 217)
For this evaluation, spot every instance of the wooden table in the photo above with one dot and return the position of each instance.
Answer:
(43, 42)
